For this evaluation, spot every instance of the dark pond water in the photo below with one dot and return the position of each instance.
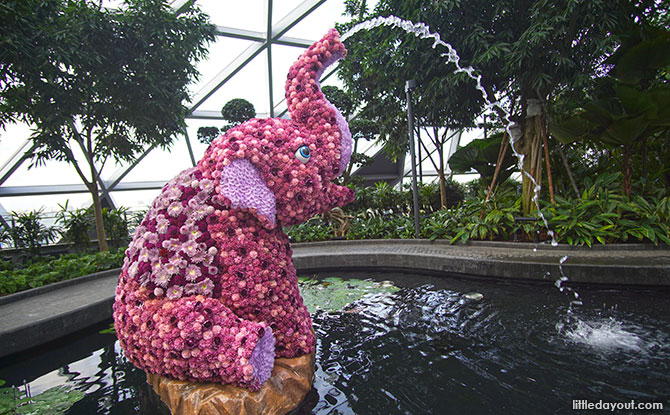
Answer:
(434, 346)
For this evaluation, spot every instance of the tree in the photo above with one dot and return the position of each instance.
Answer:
(109, 81)
(525, 50)
(236, 111)
(207, 134)
(630, 107)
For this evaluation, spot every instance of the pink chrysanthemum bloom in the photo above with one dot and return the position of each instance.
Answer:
(208, 291)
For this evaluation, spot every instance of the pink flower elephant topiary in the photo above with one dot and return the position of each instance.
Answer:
(208, 291)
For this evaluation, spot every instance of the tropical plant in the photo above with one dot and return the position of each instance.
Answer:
(5, 235)
(108, 81)
(312, 230)
(602, 214)
(375, 225)
(524, 51)
(629, 110)
(482, 155)
(623, 119)
(29, 232)
(75, 225)
(116, 225)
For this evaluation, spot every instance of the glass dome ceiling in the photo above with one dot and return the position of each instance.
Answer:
(256, 43)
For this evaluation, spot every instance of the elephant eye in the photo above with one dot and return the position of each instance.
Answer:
(303, 154)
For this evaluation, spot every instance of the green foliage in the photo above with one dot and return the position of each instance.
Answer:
(312, 230)
(136, 218)
(491, 220)
(116, 225)
(6, 265)
(53, 401)
(334, 294)
(537, 49)
(75, 225)
(111, 81)
(340, 99)
(122, 73)
(29, 232)
(372, 225)
(64, 268)
(482, 155)
(383, 198)
(602, 215)
(362, 128)
(109, 330)
(207, 134)
(5, 235)
(628, 112)
(237, 111)
(526, 50)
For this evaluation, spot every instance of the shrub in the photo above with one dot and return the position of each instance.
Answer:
(313, 230)
(115, 222)
(75, 225)
(29, 232)
(64, 268)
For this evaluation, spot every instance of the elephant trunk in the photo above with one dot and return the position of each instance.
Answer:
(310, 108)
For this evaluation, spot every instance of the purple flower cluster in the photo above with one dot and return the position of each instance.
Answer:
(208, 291)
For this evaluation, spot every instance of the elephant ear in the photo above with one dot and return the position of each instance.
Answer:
(242, 184)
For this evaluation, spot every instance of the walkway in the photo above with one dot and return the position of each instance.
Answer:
(43, 314)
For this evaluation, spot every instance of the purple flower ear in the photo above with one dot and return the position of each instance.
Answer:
(243, 185)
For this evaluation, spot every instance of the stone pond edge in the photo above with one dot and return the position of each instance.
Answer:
(350, 255)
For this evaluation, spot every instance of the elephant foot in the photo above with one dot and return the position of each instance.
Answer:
(263, 357)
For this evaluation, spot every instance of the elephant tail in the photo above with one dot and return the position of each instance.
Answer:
(192, 338)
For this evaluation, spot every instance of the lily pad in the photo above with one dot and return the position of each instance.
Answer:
(334, 294)
(54, 401)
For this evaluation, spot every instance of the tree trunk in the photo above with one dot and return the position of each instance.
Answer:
(545, 143)
(501, 156)
(531, 148)
(567, 168)
(443, 189)
(627, 170)
(97, 210)
(645, 156)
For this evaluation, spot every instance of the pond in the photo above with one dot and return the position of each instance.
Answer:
(419, 345)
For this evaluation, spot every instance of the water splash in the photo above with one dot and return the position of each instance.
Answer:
(422, 31)
(607, 335)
